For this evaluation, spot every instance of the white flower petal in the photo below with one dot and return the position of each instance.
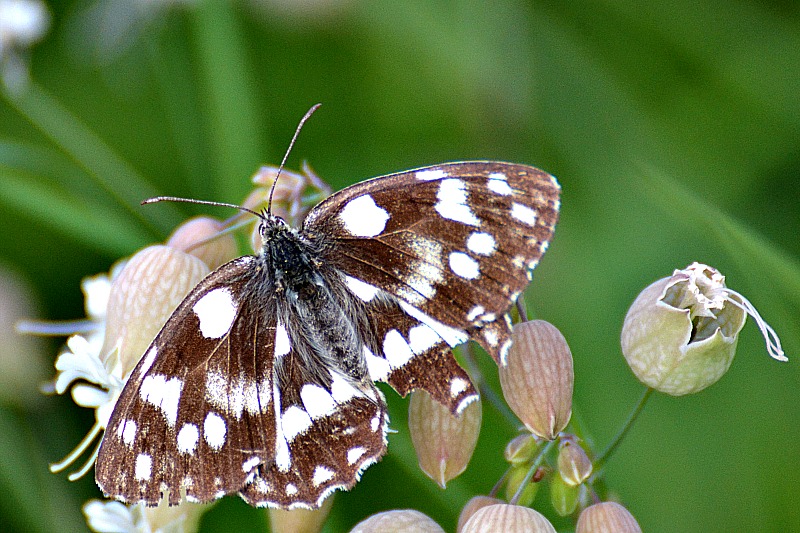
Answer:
(108, 517)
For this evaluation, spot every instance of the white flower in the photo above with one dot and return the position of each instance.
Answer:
(22, 24)
(82, 361)
(114, 517)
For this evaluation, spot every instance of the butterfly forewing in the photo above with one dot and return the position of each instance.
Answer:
(455, 241)
(261, 382)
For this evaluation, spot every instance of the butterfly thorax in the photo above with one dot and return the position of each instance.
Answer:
(313, 305)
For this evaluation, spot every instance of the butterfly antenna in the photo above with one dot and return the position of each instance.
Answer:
(286, 155)
(201, 202)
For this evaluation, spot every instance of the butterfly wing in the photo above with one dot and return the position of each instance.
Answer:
(452, 245)
(172, 425)
(221, 399)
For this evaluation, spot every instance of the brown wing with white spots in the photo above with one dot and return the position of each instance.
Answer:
(455, 241)
(197, 413)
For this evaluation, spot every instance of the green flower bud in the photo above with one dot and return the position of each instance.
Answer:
(574, 466)
(607, 517)
(563, 496)
(521, 449)
(680, 334)
(444, 443)
(505, 517)
(537, 378)
(515, 478)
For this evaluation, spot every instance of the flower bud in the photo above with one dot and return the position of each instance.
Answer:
(607, 517)
(680, 334)
(444, 443)
(521, 449)
(294, 196)
(144, 294)
(299, 520)
(505, 517)
(515, 478)
(563, 497)
(400, 521)
(478, 502)
(537, 378)
(202, 238)
(574, 465)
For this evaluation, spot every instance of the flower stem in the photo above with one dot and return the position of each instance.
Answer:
(531, 471)
(612, 447)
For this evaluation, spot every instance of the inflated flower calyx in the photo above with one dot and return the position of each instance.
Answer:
(150, 286)
(607, 517)
(444, 443)
(472, 507)
(506, 517)
(300, 520)
(538, 378)
(203, 238)
(680, 334)
(399, 521)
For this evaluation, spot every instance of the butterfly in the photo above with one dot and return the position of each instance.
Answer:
(262, 382)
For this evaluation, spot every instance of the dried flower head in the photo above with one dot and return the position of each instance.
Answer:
(680, 334)
(444, 443)
(537, 378)
(607, 517)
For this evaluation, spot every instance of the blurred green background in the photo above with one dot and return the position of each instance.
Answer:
(673, 127)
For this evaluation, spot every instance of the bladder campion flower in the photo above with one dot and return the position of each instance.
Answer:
(680, 333)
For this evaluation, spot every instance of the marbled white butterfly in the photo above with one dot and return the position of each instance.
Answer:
(261, 381)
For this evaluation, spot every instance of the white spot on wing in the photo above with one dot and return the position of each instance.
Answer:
(463, 265)
(283, 459)
(378, 367)
(187, 438)
(430, 174)
(294, 421)
(362, 217)
(163, 394)
(317, 401)
(216, 312)
(250, 463)
(341, 390)
(282, 343)
(421, 338)
(355, 453)
(396, 349)
(497, 184)
(291, 489)
(149, 358)
(457, 386)
(481, 243)
(321, 475)
(475, 312)
(127, 431)
(143, 468)
(523, 213)
(452, 202)
(451, 336)
(214, 431)
(364, 291)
